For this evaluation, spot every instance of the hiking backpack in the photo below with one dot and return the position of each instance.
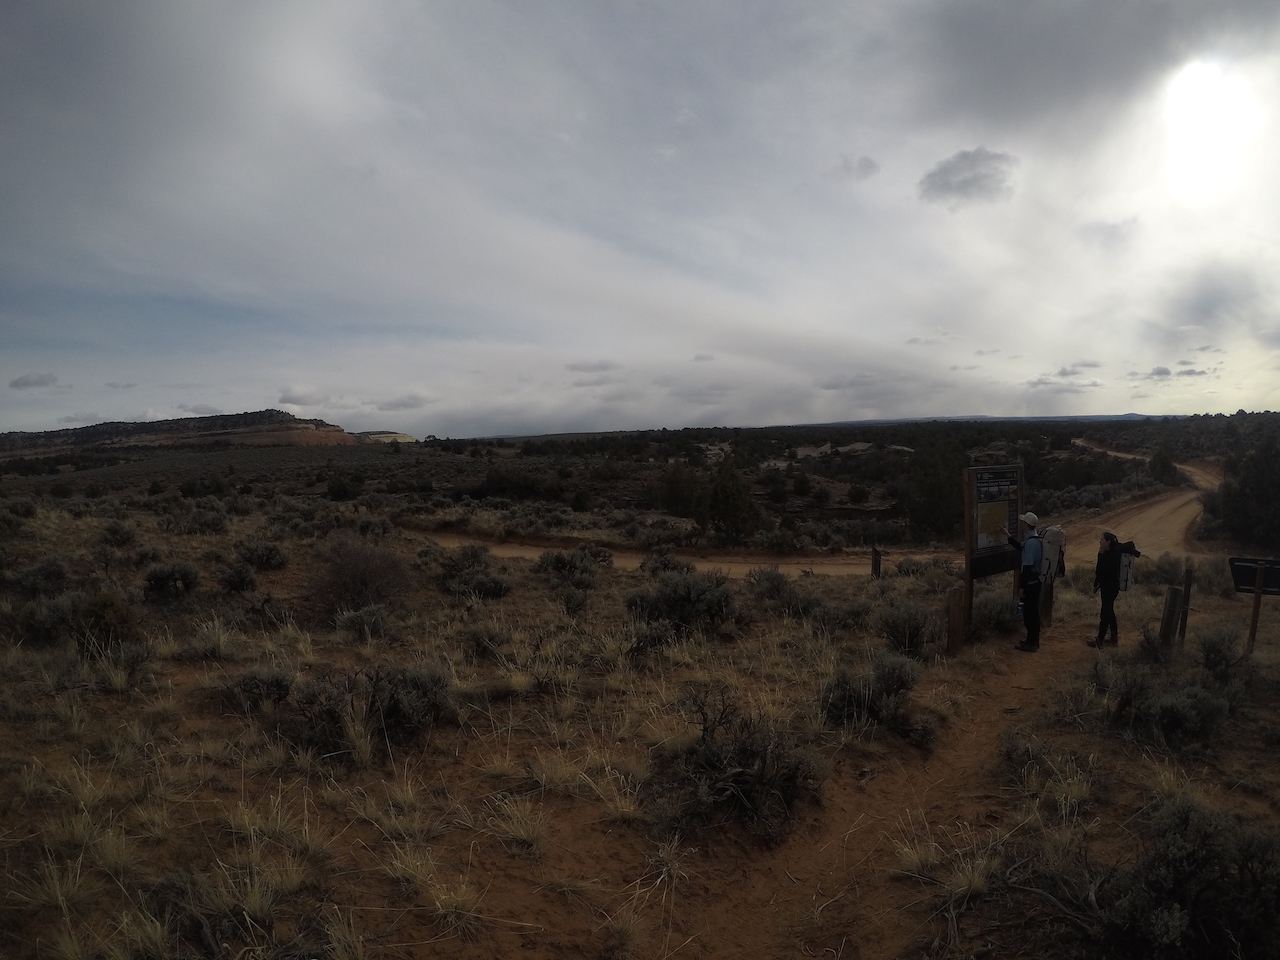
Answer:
(1053, 555)
(1128, 554)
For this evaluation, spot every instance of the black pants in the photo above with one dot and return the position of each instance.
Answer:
(1031, 613)
(1107, 622)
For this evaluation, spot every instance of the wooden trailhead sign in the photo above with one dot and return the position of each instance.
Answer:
(1259, 577)
(992, 503)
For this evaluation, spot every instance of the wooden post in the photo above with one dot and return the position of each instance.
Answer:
(1187, 577)
(1257, 603)
(956, 623)
(875, 563)
(1169, 619)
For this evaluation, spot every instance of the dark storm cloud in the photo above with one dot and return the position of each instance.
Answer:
(29, 380)
(970, 176)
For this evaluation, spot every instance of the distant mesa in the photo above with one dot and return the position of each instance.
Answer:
(383, 436)
(262, 428)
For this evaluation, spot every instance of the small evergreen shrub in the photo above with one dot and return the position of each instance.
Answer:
(119, 534)
(238, 578)
(21, 507)
(880, 696)
(689, 601)
(373, 622)
(578, 568)
(907, 626)
(740, 768)
(353, 574)
(47, 578)
(661, 560)
(257, 688)
(388, 705)
(261, 554)
(993, 614)
(171, 580)
(1205, 886)
(1220, 650)
(483, 643)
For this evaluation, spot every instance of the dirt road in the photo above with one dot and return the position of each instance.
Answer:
(1154, 525)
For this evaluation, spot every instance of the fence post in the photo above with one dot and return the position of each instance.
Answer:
(875, 563)
(1169, 619)
(955, 620)
(1188, 577)
(1258, 581)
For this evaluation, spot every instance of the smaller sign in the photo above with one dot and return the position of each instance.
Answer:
(1244, 573)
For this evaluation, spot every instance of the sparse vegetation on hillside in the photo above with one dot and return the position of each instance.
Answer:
(320, 726)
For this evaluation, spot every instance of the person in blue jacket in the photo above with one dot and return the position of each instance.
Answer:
(1032, 549)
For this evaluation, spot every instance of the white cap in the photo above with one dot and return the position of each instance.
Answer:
(1030, 519)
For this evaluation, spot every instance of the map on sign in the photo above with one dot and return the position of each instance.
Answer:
(993, 520)
(995, 508)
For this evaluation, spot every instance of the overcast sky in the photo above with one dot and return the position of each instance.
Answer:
(473, 218)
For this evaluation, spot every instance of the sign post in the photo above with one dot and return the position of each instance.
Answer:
(992, 503)
(1251, 575)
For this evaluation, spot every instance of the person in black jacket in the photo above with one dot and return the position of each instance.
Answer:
(1106, 577)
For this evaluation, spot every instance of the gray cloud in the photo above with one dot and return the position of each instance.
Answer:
(199, 409)
(1158, 373)
(120, 386)
(29, 380)
(410, 401)
(1060, 383)
(81, 416)
(303, 397)
(854, 170)
(970, 176)
(377, 196)
(1110, 236)
(1191, 373)
(1216, 296)
(1015, 64)
(703, 358)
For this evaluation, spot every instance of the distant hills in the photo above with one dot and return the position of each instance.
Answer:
(260, 428)
(277, 428)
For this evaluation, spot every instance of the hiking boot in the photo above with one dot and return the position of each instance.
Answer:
(1026, 647)
(1094, 643)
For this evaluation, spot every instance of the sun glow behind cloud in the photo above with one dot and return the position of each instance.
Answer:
(1212, 118)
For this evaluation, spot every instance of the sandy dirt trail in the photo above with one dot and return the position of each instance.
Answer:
(1154, 525)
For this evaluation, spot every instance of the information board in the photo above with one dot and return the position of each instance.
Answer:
(1244, 574)
(993, 496)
